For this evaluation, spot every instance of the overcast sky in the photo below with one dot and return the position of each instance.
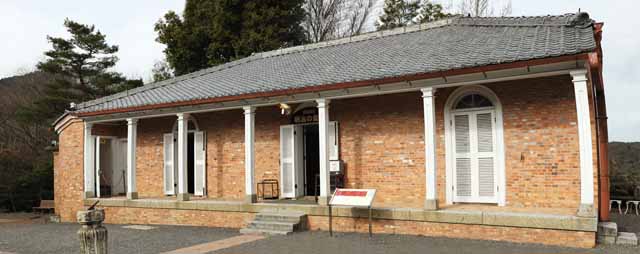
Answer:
(129, 24)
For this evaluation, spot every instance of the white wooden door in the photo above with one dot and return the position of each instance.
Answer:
(200, 174)
(287, 161)
(169, 162)
(475, 178)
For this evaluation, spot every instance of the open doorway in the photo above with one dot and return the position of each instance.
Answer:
(311, 159)
(196, 160)
(190, 163)
(110, 166)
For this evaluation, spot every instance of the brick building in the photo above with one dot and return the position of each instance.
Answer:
(483, 128)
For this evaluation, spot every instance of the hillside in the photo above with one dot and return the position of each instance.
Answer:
(624, 164)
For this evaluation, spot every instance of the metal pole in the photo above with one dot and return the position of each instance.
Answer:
(370, 233)
(330, 222)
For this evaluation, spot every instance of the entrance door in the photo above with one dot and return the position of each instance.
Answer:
(196, 163)
(311, 159)
(291, 175)
(474, 142)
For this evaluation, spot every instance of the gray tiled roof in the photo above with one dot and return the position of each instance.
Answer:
(445, 45)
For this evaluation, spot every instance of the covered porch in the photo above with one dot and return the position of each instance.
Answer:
(186, 175)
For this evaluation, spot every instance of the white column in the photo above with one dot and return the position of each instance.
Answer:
(323, 129)
(183, 121)
(428, 101)
(132, 134)
(584, 134)
(249, 154)
(89, 162)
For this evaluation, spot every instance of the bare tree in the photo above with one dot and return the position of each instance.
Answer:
(356, 16)
(482, 8)
(322, 19)
(330, 19)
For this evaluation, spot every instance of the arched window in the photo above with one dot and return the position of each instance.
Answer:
(473, 101)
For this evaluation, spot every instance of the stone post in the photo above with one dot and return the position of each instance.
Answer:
(93, 236)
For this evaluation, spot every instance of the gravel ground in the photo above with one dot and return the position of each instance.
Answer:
(62, 238)
(320, 242)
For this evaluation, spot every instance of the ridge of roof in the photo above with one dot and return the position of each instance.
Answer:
(571, 19)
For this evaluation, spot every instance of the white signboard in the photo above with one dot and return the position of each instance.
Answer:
(353, 197)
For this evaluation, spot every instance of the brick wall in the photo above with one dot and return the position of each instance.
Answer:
(150, 155)
(541, 142)
(124, 215)
(382, 146)
(574, 239)
(381, 143)
(68, 177)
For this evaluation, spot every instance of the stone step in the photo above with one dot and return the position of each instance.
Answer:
(273, 225)
(276, 223)
(626, 238)
(249, 231)
(283, 217)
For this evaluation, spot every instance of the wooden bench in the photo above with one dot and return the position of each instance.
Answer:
(45, 206)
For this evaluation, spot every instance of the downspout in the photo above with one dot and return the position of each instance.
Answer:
(602, 136)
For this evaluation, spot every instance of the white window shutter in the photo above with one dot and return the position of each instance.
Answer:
(169, 188)
(334, 142)
(287, 161)
(486, 162)
(463, 176)
(200, 169)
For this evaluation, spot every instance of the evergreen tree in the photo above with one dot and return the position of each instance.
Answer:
(398, 13)
(432, 12)
(212, 32)
(79, 66)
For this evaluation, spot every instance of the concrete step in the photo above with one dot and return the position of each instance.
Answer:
(273, 225)
(249, 231)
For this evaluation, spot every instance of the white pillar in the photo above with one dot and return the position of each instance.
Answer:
(249, 154)
(132, 134)
(183, 128)
(89, 162)
(584, 133)
(431, 202)
(323, 129)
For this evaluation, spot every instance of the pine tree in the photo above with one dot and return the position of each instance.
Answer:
(212, 32)
(398, 13)
(432, 12)
(79, 66)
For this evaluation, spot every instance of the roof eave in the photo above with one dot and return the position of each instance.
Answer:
(343, 85)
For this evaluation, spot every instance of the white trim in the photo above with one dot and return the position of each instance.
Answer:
(182, 153)
(500, 153)
(430, 154)
(249, 150)
(399, 87)
(323, 134)
(89, 160)
(132, 134)
(97, 167)
(584, 136)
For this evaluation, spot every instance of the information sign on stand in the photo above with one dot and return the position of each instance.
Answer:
(353, 198)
